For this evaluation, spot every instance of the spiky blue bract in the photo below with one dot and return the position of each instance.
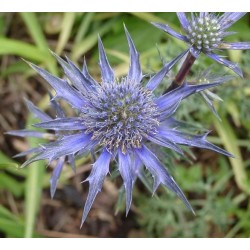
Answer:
(117, 119)
(48, 122)
(205, 33)
(208, 96)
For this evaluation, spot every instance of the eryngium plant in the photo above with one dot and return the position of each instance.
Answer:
(116, 119)
(205, 33)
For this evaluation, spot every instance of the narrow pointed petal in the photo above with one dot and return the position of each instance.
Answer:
(83, 152)
(79, 79)
(165, 143)
(210, 105)
(213, 96)
(160, 173)
(29, 133)
(158, 77)
(27, 152)
(203, 14)
(136, 166)
(71, 161)
(235, 46)
(183, 20)
(229, 18)
(134, 73)
(126, 173)
(221, 79)
(231, 65)
(73, 123)
(59, 111)
(67, 145)
(173, 123)
(55, 176)
(193, 17)
(37, 112)
(228, 33)
(192, 140)
(88, 76)
(168, 112)
(62, 88)
(168, 100)
(170, 31)
(106, 70)
(73, 74)
(96, 179)
(143, 176)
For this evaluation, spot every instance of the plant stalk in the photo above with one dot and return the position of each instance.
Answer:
(181, 75)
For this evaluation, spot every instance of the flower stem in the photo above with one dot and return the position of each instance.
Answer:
(181, 75)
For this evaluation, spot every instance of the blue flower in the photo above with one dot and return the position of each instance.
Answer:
(58, 134)
(205, 33)
(116, 119)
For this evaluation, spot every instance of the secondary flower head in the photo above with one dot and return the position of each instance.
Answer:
(116, 119)
(205, 33)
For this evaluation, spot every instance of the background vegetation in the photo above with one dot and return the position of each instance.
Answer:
(217, 187)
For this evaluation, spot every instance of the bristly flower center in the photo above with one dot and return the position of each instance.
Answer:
(122, 114)
(204, 32)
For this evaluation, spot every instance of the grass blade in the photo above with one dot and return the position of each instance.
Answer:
(33, 188)
(27, 51)
(90, 41)
(32, 196)
(36, 33)
(67, 24)
(84, 27)
(229, 141)
(35, 29)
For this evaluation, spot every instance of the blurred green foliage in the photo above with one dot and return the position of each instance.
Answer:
(220, 195)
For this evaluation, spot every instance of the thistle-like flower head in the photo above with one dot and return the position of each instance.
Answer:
(117, 119)
(205, 33)
(120, 115)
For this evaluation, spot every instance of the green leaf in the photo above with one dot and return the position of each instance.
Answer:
(33, 187)
(11, 228)
(4, 212)
(10, 224)
(9, 165)
(27, 51)
(35, 29)
(90, 41)
(229, 140)
(33, 195)
(12, 185)
(67, 25)
(84, 26)
(16, 67)
(36, 32)
(148, 17)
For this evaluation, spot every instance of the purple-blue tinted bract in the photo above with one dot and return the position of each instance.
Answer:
(58, 134)
(116, 119)
(205, 33)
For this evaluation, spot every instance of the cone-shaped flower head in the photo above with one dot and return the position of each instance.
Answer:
(116, 119)
(205, 32)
